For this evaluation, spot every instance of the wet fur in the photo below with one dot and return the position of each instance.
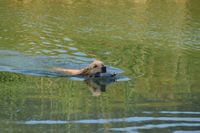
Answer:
(94, 67)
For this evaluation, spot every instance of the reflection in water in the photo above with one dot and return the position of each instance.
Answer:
(98, 85)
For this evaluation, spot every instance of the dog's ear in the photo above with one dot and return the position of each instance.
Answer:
(85, 71)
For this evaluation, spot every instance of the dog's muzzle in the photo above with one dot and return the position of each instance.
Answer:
(103, 73)
(103, 69)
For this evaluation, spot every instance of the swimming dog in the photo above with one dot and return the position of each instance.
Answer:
(92, 69)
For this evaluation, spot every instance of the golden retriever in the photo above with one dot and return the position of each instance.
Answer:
(95, 67)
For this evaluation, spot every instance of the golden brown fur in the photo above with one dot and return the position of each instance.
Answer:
(94, 67)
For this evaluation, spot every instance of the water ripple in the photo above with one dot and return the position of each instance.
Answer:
(179, 112)
(173, 112)
(152, 126)
(115, 120)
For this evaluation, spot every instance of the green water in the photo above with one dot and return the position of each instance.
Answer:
(156, 43)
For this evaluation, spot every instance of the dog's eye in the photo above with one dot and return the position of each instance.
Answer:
(95, 66)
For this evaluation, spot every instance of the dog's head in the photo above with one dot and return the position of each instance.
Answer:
(95, 67)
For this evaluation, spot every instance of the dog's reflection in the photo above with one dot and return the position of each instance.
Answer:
(98, 85)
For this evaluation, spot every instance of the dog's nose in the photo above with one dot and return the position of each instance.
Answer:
(103, 69)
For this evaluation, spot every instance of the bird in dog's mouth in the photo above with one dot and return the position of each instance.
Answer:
(96, 69)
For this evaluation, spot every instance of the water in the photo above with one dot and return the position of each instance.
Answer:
(153, 45)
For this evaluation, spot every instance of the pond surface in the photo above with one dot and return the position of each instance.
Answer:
(156, 44)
